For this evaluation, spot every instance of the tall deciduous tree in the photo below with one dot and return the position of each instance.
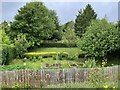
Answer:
(34, 21)
(57, 32)
(83, 19)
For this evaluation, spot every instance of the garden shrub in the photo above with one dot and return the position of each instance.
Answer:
(63, 55)
(100, 38)
(90, 63)
(13, 67)
(37, 54)
(55, 55)
(8, 53)
(21, 45)
(7, 49)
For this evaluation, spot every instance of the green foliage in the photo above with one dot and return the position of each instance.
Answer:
(7, 49)
(32, 54)
(8, 53)
(57, 35)
(4, 25)
(21, 44)
(63, 55)
(90, 63)
(16, 86)
(83, 20)
(35, 21)
(4, 38)
(101, 37)
(56, 55)
(73, 57)
(99, 78)
(68, 35)
(13, 67)
(56, 44)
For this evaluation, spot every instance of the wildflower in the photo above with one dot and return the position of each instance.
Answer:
(113, 87)
(24, 64)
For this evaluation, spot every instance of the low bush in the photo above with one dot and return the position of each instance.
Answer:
(55, 55)
(37, 54)
(13, 67)
(63, 55)
(90, 63)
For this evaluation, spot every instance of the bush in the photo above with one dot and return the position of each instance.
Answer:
(100, 38)
(55, 55)
(91, 63)
(8, 53)
(21, 45)
(13, 67)
(7, 50)
(63, 55)
(37, 54)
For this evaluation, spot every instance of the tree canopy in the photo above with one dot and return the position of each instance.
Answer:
(35, 21)
(83, 20)
(100, 38)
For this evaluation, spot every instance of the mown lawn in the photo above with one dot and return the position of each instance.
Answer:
(71, 50)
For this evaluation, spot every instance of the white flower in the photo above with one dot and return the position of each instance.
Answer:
(24, 64)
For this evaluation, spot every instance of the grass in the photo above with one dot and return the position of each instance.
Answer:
(71, 50)
(84, 85)
(36, 64)
(40, 64)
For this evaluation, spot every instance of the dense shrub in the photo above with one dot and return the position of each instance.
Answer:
(100, 38)
(68, 34)
(8, 53)
(7, 50)
(21, 44)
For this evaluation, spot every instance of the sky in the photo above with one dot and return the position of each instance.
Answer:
(66, 11)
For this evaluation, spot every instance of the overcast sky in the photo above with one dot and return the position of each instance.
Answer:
(66, 11)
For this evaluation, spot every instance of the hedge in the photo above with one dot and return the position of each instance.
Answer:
(43, 54)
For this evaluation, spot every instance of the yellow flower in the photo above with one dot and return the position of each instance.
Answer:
(113, 87)
(105, 86)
